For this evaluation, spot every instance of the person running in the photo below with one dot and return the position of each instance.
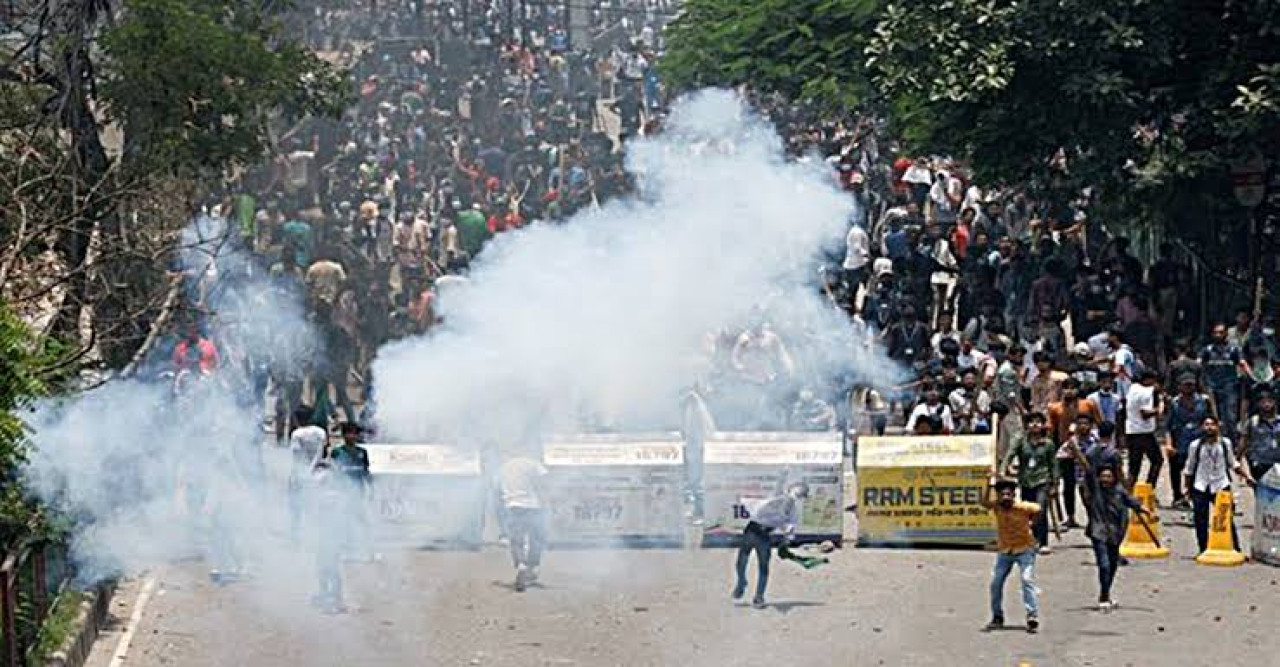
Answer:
(1037, 473)
(779, 513)
(1209, 465)
(523, 499)
(1108, 505)
(1015, 544)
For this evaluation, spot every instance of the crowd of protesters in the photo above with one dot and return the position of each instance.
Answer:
(474, 119)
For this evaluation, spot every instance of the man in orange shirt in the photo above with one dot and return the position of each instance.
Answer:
(1015, 545)
(1062, 419)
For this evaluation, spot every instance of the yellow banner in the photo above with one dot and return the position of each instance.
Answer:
(924, 490)
(927, 505)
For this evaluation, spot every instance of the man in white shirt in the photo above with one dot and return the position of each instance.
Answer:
(1142, 407)
(307, 444)
(933, 409)
(779, 513)
(521, 483)
(919, 178)
(1124, 363)
(856, 258)
(1209, 464)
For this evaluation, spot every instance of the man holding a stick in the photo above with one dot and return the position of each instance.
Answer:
(1015, 546)
(1108, 505)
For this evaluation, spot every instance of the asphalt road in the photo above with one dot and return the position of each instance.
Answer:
(672, 607)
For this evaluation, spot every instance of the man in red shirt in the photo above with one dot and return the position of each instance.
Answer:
(195, 352)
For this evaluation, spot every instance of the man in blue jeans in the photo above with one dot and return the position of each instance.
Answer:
(1108, 505)
(779, 513)
(1016, 546)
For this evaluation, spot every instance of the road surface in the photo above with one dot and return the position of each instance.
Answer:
(672, 607)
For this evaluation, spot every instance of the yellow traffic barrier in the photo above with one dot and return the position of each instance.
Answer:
(1222, 549)
(1143, 537)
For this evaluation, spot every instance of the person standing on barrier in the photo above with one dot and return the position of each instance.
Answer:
(1108, 505)
(779, 513)
(1015, 545)
(523, 498)
(1260, 439)
(1037, 473)
(1208, 471)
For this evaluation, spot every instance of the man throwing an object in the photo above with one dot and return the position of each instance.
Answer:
(778, 513)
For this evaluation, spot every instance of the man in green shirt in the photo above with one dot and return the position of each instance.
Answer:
(473, 231)
(1037, 471)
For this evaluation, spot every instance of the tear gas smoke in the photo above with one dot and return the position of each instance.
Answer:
(159, 466)
(601, 321)
(604, 320)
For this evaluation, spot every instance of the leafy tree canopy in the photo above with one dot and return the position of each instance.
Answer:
(805, 49)
(1134, 89)
(1143, 99)
(196, 83)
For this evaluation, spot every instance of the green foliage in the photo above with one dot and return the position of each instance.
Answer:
(1133, 93)
(196, 84)
(1146, 101)
(22, 356)
(19, 385)
(805, 49)
(58, 625)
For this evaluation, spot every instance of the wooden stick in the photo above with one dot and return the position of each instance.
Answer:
(1150, 533)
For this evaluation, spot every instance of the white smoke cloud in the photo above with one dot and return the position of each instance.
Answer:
(147, 466)
(607, 315)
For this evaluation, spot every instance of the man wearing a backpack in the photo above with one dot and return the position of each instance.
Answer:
(1209, 466)
(933, 410)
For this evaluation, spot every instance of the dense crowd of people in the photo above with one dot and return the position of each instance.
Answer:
(1015, 315)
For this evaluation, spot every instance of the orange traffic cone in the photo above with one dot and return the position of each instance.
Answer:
(1143, 537)
(1221, 550)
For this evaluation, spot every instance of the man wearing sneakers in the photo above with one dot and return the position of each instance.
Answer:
(779, 513)
(1108, 505)
(522, 497)
(1015, 545)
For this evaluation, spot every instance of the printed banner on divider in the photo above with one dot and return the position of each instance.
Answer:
(924, 490)
(426, 494)
(616, 488)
